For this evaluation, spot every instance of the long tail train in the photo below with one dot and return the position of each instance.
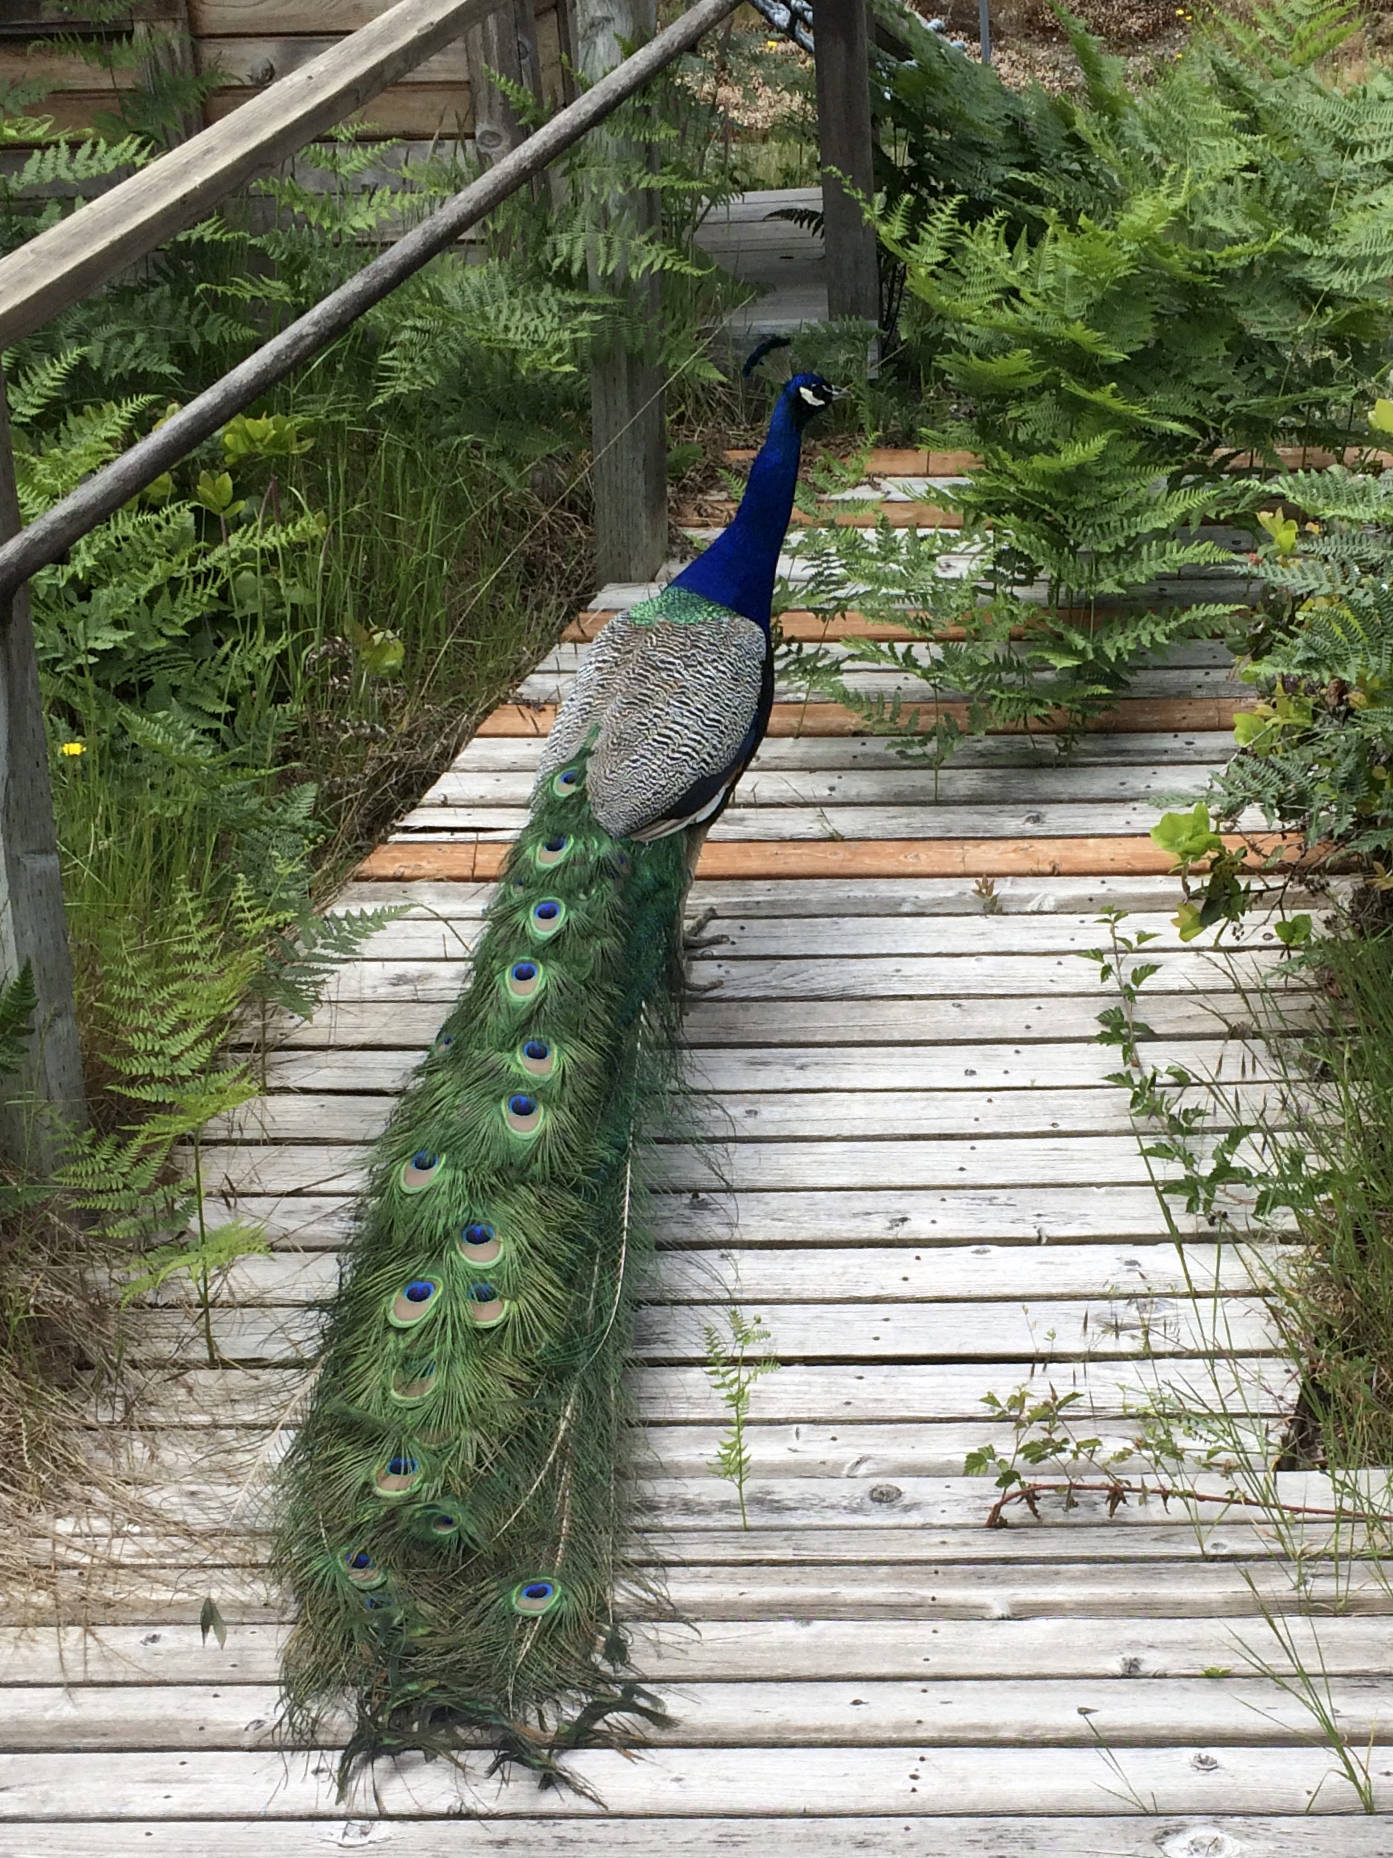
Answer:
(454, 1510)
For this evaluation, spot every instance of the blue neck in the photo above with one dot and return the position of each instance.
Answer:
(738, 569)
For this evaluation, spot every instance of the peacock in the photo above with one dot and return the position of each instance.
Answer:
(452, 1515)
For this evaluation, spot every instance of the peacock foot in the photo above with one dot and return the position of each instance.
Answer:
(694, 942)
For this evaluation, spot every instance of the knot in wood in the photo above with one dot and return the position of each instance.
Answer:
(1198, 1842)
(885, 1493)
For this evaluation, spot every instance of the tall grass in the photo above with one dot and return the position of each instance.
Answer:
(1335, 1303)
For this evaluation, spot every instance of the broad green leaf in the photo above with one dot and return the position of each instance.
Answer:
(1188, 837)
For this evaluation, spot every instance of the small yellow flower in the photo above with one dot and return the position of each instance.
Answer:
(772, 45)
(73, 748)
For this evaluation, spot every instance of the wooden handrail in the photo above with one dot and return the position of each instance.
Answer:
(47, 538)
(89, 247)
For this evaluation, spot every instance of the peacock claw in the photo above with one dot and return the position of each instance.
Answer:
(698, 944)
(700, 987)
(694, 942)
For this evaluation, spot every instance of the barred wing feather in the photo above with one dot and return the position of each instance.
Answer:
(667, 705)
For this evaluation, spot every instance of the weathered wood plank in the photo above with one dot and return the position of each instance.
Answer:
(927, 1783)
(854, 1713)
(270, 1396)
(853, 977)
(972, 1214)
(323, 1167)
(883, 1274)
(818, 755)
(1064, 1329)
(773, 821)
(453, 936)
(901, 786)
(808, 1649)
(792, 898)
(1029, 1836)
(968, 1069)
(1128, 715)
(1203, 657)
(550, 684)
(1023, 1021)
(934, 1449)
(670, 1505)
(789, 1114)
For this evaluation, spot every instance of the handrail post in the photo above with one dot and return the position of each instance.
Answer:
(505, 41)
(841, 58)
(627, 426)
(33, 927)
(162, 33)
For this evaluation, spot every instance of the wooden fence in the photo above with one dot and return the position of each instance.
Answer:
(246, 45)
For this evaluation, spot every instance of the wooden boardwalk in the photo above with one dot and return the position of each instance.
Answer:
(931, 1194)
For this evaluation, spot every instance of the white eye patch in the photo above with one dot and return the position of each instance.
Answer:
(812, 396)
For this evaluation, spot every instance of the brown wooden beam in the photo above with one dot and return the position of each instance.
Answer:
(1124, 856)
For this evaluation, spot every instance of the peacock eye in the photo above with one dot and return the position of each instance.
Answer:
(551, 851)
(397, 1476)
(546, 918)
(525, 979)
(484, 1305)
(537, 1057)
(523, 1114)
(533, 1598)
(479, 1243)
(418, 1173)
(566, 782)
(361, 1569)
(443, 1041)
(413, 1380)
(414, 1302)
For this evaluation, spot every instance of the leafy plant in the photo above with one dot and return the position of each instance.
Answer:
(18, 1001)
(1111, 296)
(732, 1372)
(1315, 752)
(984, 653)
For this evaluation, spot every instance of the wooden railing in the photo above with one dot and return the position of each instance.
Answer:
(95, 243)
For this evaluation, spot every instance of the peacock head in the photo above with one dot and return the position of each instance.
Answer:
(807, 395)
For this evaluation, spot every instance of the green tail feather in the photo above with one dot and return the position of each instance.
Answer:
(453, 1517)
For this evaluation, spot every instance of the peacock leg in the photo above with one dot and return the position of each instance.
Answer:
(692, 941)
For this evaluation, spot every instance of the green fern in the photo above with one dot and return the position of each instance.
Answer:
(18, 1002)
(732, 1373)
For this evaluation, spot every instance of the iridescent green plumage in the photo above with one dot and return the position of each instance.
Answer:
(452, 1514)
